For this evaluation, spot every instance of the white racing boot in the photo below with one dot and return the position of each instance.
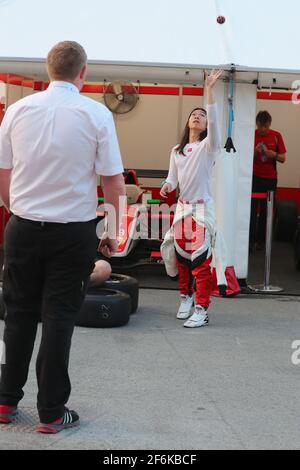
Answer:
(186, 307)
(198, 319)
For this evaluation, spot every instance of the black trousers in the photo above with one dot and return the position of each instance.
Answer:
(46, 269)
(258, 225)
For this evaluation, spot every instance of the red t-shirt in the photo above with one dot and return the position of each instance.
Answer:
(273, 141)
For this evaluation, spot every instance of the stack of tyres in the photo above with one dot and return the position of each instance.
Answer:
(104, 308)
(126, 284)
(107, 306)
(111, 304)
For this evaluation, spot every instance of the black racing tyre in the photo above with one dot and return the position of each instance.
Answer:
(286, 220)
(104, 308)
(297, 249)
(2, 307)
(126, 284)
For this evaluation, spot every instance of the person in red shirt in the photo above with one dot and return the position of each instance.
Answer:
(269, 149)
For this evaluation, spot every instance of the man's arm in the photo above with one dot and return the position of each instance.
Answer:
(115, 201)
(114, 194)
(4, 187)
(281, 158)
(109, 165)
(281, 149)
(6, 160)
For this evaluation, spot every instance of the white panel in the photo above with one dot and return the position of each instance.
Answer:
(233, 175)
(244, 128)
(225, 181)
(226, 201)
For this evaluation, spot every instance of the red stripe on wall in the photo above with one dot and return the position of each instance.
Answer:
(13, 80)
(92, 89)
(278, 96)
(16, 80)
(157, 90)
(144, 90)
(149, 90)
(28, 83)
(193, 91)
(38, 86)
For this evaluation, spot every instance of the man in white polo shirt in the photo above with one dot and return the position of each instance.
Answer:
(52, 147)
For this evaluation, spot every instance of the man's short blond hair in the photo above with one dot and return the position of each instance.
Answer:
(65, 60)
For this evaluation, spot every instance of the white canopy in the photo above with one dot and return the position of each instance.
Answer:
(163, 33)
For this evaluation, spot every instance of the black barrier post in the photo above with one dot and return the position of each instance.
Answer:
(266, 288)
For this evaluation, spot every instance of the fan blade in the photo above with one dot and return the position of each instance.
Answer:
(119, 107)
(124, 108)
(114, 109)
(130, 99)
(111, 101)
(117, 87)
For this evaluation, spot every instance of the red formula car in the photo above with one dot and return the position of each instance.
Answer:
(146, 221)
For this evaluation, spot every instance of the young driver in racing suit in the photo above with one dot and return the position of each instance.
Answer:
(193, 233)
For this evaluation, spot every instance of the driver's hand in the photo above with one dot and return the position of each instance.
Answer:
(165, 190)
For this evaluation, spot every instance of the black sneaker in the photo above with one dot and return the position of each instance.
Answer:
(70, 419)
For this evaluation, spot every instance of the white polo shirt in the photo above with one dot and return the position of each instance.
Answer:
(56, 143)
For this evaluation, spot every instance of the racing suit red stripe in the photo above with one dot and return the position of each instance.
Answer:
(186, 280)
(189, 241)
(204, 283)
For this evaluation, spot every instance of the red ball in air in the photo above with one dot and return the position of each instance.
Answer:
(221, 19)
